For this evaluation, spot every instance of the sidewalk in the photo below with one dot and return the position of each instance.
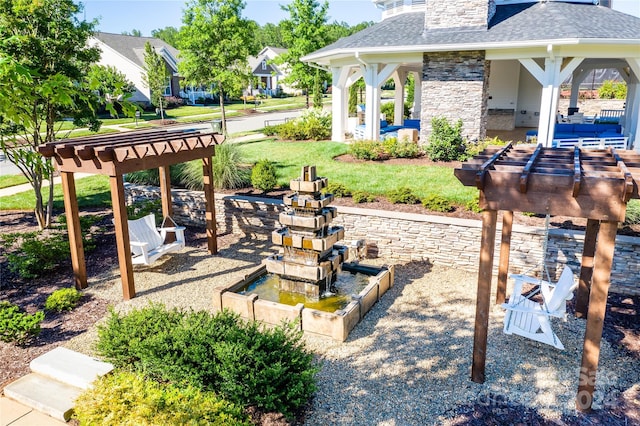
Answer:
(15, 414)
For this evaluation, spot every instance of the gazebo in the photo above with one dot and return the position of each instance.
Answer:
(592, 184)
(116, 155)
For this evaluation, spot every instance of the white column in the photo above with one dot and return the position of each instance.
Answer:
(339, 110)
(417, 95)
(632, 109)
(372, 102)
(399, 78)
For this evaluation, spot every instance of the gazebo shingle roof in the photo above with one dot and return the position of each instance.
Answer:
(511, 23)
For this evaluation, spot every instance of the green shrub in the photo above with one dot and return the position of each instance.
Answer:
(337, 189)
(64, 299)
(316, 123)
(363, 197)
(446, 142)
(36, 254)
(612, 90)
(143, 208)
(263, 176)
(401, 149)
(247, 365)
(473, 205)
(18, 327)
(367, 150)
(228, 171)
(270, 130)
(133, 399)
(437, 203)
(388, 109)
(403, 195)
(633, 213)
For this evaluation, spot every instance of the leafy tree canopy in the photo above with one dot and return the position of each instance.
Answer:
(170, 35)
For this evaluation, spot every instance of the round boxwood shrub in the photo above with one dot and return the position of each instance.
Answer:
(263, 176)
(437, 203)
(403, 195)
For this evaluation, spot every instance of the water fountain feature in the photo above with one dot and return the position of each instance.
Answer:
(308, 280)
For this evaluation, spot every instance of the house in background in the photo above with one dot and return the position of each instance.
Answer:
(126, 54)
(269, 75)
(494, 64)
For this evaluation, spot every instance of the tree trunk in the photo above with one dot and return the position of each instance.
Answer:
(161, 108)
(222, 111)
(307, 97)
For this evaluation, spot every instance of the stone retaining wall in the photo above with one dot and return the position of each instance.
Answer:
(409, 237)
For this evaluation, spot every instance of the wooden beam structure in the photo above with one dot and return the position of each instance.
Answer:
(592, 184)
(116, 155)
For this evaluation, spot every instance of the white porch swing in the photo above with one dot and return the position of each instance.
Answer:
(529, 318)
(148, 242)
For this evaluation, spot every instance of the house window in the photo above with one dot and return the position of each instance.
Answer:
(167, 88)
(264, 65)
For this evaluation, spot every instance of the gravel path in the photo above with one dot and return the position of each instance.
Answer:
(408, 362)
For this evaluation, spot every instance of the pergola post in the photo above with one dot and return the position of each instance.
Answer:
(209, 196)
(122, 236)
(489, 219)
(505, 249)
(586, 270)
(165, 194)
(595, 319)
(74, 231)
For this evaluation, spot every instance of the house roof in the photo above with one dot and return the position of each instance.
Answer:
(525, 23)
(132, 47)
(276, 50)
(256, 65)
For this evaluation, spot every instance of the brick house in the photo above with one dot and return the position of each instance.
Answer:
(126, 54)
(495, 64)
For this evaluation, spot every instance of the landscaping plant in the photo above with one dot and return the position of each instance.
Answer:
(244, 363)
(403, 195)
(359, 197)
(133, 399)
(18, 327)
(32, 254)
(437, 203)
(64, 299)
(263, 176)
(337, 189)
(445, 141)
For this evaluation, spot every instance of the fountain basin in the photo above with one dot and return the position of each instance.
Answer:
(283, 237)
(336, 324)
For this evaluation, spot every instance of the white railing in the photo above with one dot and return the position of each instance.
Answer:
(592, 143)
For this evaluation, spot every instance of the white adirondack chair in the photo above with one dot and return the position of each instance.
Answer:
(147, 241)
(531, 319)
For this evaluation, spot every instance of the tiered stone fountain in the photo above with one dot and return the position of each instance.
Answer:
(303, 283)
(310, 259)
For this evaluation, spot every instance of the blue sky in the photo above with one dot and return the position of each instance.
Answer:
(146, 15)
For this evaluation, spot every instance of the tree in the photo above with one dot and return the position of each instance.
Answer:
(304, 32)
(270, 35)
(155, 77)
(44, 55)
(110, 84)
(170, 35)
(134, 33)
(215, 43)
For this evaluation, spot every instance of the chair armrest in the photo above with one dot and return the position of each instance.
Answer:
(138, 244)
(529, 280)
(540, 311)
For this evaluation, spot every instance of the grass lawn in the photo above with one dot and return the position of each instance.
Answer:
(13, 180)
(377, 179)
(93, 191)
(289, 158)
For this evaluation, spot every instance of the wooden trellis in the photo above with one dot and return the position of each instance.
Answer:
(592, 184)
(115, 155)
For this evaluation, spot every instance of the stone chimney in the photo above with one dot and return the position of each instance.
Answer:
(463, 14)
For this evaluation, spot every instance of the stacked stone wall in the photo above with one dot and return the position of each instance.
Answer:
(440, 240)
(454, 86)
(457, 13)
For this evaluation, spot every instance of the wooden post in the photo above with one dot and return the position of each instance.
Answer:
(489, 218)
(165, 193)
(74, 231)
(586, 270)
(605, 248)
(122, 236)
(505, 250)
(210, 214)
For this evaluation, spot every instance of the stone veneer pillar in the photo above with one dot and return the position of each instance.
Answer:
(455, 86)
(458, 13)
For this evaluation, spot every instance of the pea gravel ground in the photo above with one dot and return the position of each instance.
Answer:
(408, 362)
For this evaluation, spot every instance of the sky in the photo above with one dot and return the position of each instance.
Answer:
(146, 15)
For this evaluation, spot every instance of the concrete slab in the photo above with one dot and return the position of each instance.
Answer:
(11, 411)
(70, 367)
(48, 396)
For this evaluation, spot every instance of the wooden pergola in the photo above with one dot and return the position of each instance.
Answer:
(592, 184)
(116, 155)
